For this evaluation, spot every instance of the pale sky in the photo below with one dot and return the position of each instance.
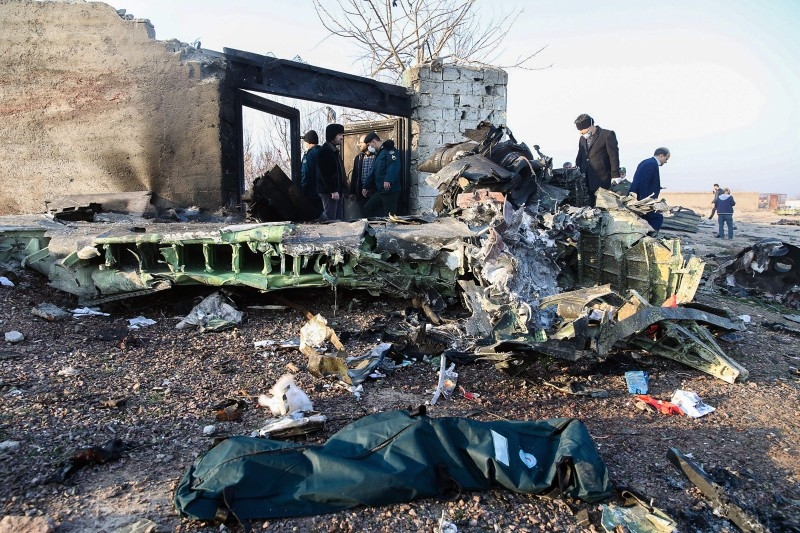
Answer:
(714, 81)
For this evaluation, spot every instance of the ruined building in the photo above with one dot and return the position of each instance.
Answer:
(92, 103)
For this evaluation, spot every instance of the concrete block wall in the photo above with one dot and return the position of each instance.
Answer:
(447, 100)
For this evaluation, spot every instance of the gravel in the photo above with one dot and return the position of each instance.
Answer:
(74, 383)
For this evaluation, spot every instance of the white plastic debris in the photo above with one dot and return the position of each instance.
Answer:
(264, 344)
(447, 381)
(745, 318)
(140, 322)
(445, 526)
(87, 311)
(209, 430)
(9, 446)
(690, 403)
(14, 337)
(5, 282)
(285, 397)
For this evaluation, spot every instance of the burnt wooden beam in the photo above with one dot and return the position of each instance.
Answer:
(291, 79)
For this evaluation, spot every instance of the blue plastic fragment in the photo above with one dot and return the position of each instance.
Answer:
(638, 381)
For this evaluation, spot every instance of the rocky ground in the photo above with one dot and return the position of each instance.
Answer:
(75, 383)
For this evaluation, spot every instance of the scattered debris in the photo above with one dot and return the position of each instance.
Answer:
(690, 403)
(140, 322)
(635, 515)
(768, 268)
(113, 403)
(87, 311)
(293, 424)
(214, 313)
(637, 381)
(14, 337)
(93, 455)
(9, 446)
(714, 492)
(27, 524)
(447, 380)
(665, 408)
(50, 312)
(229, 410)
(286, 397)
(682, 219)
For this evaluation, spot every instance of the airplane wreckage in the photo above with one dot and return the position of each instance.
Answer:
(541, 272)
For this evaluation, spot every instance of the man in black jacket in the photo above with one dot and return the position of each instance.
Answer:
(330, 174)
(598, 155)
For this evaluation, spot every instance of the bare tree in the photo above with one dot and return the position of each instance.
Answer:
(394, 35)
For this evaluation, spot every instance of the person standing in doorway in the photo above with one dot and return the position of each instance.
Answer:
(724, 206)
(308, 170)
(598, 155)
(384, 178)
(330, 174)
(362, 166)
(647, 184)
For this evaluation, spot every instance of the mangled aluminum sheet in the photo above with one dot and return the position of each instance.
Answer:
(129, 261)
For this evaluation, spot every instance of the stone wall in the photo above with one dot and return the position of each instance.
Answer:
(447, 100)
(91, 103)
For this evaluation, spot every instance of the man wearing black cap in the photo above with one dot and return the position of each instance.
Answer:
(598, 155)
(308, 170)
(330, 174)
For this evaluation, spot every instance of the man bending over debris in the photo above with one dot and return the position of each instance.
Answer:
(647, 183)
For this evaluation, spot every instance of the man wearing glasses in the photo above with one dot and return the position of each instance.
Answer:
(598, 155)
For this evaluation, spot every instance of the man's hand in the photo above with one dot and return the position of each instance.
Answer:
(387, 185)
(334, 196)
(364, 192)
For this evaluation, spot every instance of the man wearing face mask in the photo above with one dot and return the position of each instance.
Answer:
(598, 155)
(384, 178)
(362, 165)
(647, 183)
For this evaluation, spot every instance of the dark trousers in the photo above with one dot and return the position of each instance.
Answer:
(381, 204)
(656, 220)
(331, 209)
(725, 219)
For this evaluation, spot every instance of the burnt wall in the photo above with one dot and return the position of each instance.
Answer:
(91, 103)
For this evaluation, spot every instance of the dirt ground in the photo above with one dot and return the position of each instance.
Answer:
(56, 384)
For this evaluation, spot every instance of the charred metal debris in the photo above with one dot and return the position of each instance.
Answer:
(540, 271)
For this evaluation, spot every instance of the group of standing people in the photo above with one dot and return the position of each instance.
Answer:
(373, 185)
(598, 161)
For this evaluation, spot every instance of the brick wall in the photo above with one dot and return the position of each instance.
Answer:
(447, 100)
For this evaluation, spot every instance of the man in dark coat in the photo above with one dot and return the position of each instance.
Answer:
(647, 183)
(598, 155)
(362, 165)
(330, 174)
(384, 179)
(308, 170)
